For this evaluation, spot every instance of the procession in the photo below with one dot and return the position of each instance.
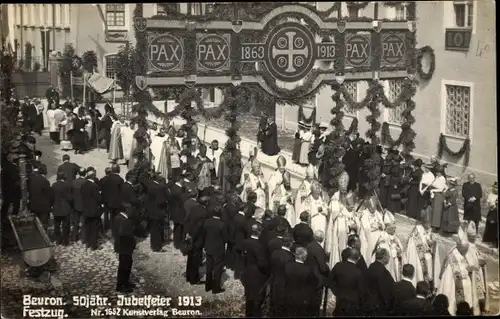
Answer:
(314, 232)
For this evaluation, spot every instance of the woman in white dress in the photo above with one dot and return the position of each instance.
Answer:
(305, 147)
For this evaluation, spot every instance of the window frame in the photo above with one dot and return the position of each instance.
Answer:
(444, 97)
(114, 26)
(105, 64)
(356, 98)
(468, 24)
(387, 117)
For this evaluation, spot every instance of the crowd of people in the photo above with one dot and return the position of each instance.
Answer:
(292, 250)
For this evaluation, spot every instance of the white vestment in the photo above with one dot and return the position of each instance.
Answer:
(455, 282)
(477, 277)
(156, 147)
(302, 193)
(127, 137)
(273, 183)
(370, 223)
(395, 249)
(318, 219)
(214, 156)
(423, 257)
(51, 119)
(255, 184)
(247, 170)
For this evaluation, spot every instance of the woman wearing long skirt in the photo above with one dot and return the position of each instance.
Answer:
(297, 142)
(450, 220)
(437, 197)
(415, 202)
(491, 228)
(305, 145)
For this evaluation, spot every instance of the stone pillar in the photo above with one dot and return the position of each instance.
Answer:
(55, 62)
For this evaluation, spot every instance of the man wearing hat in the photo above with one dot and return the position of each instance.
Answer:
(472, 194)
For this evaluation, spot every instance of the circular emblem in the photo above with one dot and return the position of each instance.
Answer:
(165, 52)
(212, 52)
(357, 50)
(290, 52)
(394, 49)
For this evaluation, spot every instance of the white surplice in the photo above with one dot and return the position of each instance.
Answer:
(395, 249)
(370, 223)
(455, 281)
(303, 191)
(318, 219)
(422, 256)
(477, 277)
(214, 156)
(127, 137)
(255, 184)
(273, 183)
(156, 147)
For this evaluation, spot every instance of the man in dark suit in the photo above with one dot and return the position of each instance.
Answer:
(277, 241)
(69, 169)
(156, 207)
(193, 226)
(41, 196)
(113, 190)
(124, 245)
(301, 283)
(302, 232)
(278, 260)
(347, 285)
(269, 225)
(239, 234)
(419, 305)
(255, 273)
(380, 285)
(404, 290)
(176, 208)
(215, 239)
(92, 209)
(103, 184)
(77, 212)
(353, 241)
(62, 208)
(129, 193)
(316, 259)
(281, 219)
(229, 210)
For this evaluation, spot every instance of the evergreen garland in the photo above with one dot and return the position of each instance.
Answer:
(301, 117)
(353, 127)
(464, 151)
(432, 63)
(373, 106)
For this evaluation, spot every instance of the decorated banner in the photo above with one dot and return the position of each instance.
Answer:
(305, 50)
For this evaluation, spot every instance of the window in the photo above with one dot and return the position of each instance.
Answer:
(400, 11)
(211, 94)
(396, 114)
(196, 8)
(353, 12)
(160, 7)
(458, 99)
(115, 14)
(111, 62)
(61, 14)
(464, 13)
(352, 89)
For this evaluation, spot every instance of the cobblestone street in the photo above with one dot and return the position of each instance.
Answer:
(82, 271)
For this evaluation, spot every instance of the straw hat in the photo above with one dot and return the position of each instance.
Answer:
(452, 181)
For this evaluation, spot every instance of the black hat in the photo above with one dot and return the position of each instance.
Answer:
(38, 153)
(418, 162)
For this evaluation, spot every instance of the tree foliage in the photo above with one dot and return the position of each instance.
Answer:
(89, 61)
(66, 68)
(125, 65)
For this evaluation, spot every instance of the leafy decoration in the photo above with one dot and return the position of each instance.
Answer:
(432, 63)
(301, 117)
(464, 151)
(89, 61)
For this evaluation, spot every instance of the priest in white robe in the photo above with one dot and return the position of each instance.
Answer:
(254, 182)
(456, 277)
(127, 137)
(304, 190)
(283, 195)
(214, 153)
(247, 168)
(317, 208)
(373, 224)
(423, 253)
(274, 184)
(475, 260)
(157, 145)
(391, 242)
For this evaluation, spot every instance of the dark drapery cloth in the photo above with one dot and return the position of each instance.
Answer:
(296, 148)
(351, 160)
(472, 211)
(270, 140)
(415, 201)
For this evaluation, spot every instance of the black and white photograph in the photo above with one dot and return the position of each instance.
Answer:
(249, 159)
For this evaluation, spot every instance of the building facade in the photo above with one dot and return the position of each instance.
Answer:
(458, 101)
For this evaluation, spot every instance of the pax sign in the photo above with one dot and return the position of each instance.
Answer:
(357, 50)
(166, 53)
(212, 51)
(393, 49)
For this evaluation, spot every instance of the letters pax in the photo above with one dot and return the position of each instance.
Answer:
(214, 51)
(357, 50)
(165, 52)
(392, 48)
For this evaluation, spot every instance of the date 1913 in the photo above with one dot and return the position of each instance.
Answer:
(189, 301)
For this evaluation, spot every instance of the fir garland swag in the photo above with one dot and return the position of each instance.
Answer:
(432, 63)
(301, 117)
(464, 151)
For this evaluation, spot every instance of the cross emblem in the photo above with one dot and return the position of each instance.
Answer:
(290, 52)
